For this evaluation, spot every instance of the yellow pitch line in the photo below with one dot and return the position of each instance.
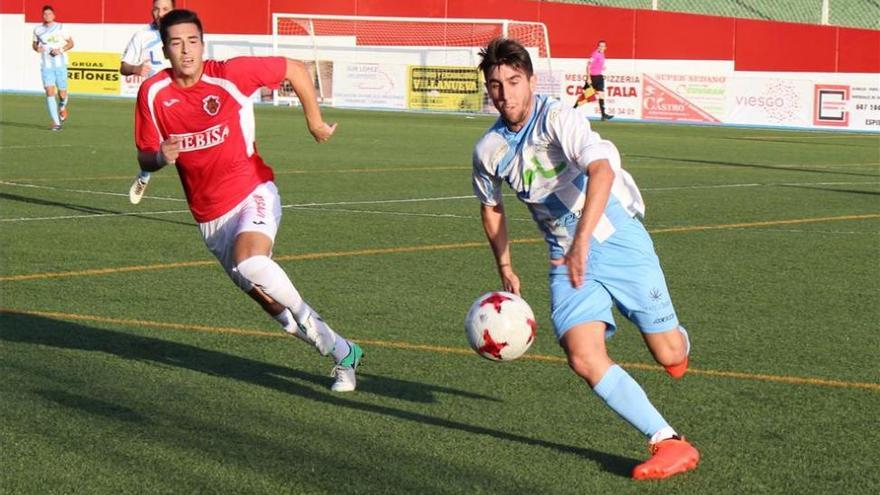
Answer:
(408, 249)
(795, 380)
(694, 228)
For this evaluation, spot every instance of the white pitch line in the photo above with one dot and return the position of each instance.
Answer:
(316, 206)
(95, 215)
(379, 201)
(28, 146)
(392, 213)
(82, 191)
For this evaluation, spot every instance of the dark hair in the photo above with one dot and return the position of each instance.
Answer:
(178, 16)
(505, 51)
(173, 3)
(600, 42)
(47, 7)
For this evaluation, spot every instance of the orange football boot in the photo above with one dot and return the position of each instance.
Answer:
(668, 457)
(678, 370)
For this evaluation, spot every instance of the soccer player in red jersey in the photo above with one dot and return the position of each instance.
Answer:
(198, 115)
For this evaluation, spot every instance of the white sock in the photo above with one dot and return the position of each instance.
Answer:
(663, 434)
(285, 319)
(340, 349)
(266, 274)
(687, 340)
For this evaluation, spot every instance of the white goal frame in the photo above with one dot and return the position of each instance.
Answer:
(310, 48)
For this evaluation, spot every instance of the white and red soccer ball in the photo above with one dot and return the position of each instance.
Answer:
(500, 326)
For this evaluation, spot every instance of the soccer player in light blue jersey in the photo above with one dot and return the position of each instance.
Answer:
(52, 42)
(589, 210)
(143, 57)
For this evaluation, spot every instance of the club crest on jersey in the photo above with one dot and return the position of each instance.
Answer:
(211, 104)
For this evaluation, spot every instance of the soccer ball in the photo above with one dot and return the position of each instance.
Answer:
(500, 326)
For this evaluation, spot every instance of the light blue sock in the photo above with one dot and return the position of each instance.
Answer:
(144, 175)
(53, 109)
(627, 399)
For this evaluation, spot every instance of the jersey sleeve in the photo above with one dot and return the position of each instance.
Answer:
(252, 73)
(133, 55)
(578, 142)
(487, 187)
(146, 132)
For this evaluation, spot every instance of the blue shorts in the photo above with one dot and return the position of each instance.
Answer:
(54, 76)
(623, 270)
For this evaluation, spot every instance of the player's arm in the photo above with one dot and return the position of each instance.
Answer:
(151, 161)
(66, 48)
(589, 62)
(133, 53)
(36, 45)
(598, 191)
(495, 227)
(301, 81)
(127, 69)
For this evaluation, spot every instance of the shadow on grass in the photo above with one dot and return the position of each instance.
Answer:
(36, 330)
(24, 125)
(832, 189)
(751, 165)
(91, 210)
(863, 143)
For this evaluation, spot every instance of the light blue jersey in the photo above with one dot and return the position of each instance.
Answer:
(545, 163)
(146, 46)
(48, 38)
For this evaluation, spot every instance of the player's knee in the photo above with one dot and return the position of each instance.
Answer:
(670, 352)
(587, 365)
(251, 268)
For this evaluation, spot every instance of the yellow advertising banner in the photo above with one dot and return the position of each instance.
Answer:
(447, 88)
(93, 73)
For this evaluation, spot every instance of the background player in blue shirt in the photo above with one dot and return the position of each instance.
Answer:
(52, 42)
(143, 57)
(589, 210)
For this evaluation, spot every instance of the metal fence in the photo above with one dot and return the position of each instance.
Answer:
(851, 13)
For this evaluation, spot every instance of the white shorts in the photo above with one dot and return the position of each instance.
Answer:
(260, 212)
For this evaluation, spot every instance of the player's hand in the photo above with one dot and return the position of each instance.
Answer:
(170, 149)
(576, 261)
(54, 52)
(509, 280)
(322, 132)
(144, 69)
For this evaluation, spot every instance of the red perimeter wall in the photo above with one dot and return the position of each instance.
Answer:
(574, 29)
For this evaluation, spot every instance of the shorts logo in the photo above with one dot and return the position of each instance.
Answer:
(664, 319)
(211, 104)
(655, 294)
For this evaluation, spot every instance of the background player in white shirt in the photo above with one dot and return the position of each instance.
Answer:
(199, 116)
(589, 210)
(143, 57)
(52, 42)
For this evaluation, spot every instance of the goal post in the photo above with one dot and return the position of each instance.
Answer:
(415, 63)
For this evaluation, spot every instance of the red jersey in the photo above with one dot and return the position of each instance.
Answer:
(218, 162)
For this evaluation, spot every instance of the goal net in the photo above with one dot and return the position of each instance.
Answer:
(401, 62)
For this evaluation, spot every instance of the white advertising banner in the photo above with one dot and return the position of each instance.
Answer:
(369, 85)
(848, 106)
(769, 101)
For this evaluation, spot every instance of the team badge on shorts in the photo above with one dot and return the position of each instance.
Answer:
(212, 104)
